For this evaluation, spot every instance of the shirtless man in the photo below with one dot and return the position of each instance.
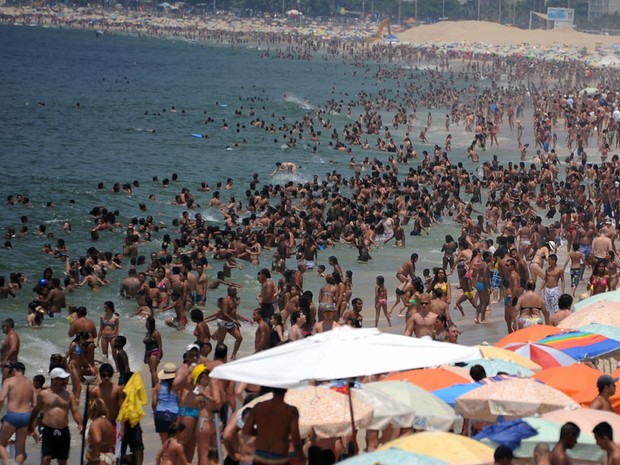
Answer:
(604, 435)
(601, 246)
(275, 425)
(606, 386)
(407, 268)
(55, 403)
(551, 289)
(111, 393)
(569, 433)
(82, 324)
(565, 302)
(130, 285)
(576, 259)
(20, 396)
(261, 339)
(9, 351)
(422, 323)
(483, 286)
(439, 306)
(268, 293)
(328, 322)
(285, 166)
(55, 300)
(513, 292)
(202, 285)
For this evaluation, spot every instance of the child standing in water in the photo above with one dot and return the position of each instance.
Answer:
(381, 300)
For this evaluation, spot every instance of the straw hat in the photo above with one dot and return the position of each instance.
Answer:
(168, 372)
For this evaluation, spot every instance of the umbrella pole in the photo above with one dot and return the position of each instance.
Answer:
(353, 443)
(85, 421)
(218, 437)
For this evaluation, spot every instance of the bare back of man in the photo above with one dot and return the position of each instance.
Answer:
(19, 395)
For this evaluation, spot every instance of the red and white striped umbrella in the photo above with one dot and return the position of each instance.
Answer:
(546, 357)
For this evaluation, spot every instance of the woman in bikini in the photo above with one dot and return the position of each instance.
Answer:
(101, 436)
(108, 329)
(81, 360)
(541, 255)
(381, 300)
(171, 452)
(599, 281)
(530, 308)
(202, 333)
(210, 399)
(440, 281)
(164, 286)
(153, 349)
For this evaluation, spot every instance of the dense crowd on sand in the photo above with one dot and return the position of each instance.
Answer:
(514, 218)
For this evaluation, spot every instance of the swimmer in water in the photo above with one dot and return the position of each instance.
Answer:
(286, 166)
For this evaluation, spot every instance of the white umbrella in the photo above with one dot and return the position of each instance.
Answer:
(341, 353)
(386, 409)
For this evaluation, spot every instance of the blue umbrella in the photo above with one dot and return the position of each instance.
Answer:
(450, 394)
(392, 457)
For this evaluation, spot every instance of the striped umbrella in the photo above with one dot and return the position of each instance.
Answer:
(581, 345)
(530, 334)
(611, 332)
(545, 356)
(492, 352)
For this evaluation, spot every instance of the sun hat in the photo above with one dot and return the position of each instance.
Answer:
(168, 372)
(197, 371)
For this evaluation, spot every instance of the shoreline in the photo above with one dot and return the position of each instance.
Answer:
(454, 39)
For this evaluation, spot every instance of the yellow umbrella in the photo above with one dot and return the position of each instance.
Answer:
(453, 448)
(492, 352)
(511, 399)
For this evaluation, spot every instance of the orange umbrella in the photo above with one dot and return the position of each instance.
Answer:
(569, 379)
(429, 378)
(530, 334)
(586, 396)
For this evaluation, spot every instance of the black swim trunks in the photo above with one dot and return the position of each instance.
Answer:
(55, 443)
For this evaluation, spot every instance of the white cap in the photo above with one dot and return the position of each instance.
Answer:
(192, 347)
(58, 373)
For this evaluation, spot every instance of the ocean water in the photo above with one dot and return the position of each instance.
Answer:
(125, 131)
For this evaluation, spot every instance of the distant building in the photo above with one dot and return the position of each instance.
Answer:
(597, 8)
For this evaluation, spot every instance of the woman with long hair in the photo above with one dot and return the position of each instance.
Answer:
(153, 348)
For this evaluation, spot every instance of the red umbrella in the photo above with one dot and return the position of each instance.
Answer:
(546, 357)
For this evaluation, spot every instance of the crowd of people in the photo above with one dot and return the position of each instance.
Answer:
(515, 221)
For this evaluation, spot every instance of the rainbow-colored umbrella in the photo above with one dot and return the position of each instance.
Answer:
(580, 345)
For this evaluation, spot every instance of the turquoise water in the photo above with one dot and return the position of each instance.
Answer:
(126, 87)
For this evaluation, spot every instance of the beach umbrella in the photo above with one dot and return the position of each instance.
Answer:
(428, 378)
(569, 379)
(530, 334)
(585, 418)
(543, 355)
(510, 399)
(547, 431)
(611, 332)
(341, 353)
(582, 345)
(392, 457)
(496, 366)
(611, 296)
(450, 394)
(587, 395)
(431, 413)
(453, 448)
(605, 312)
(492, 352)
(386, 409)
(323, 411)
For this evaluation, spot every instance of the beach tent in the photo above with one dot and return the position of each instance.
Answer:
(341, 353)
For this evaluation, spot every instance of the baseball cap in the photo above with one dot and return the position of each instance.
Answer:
(58, 373)
(605, 380)
(192, 347)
